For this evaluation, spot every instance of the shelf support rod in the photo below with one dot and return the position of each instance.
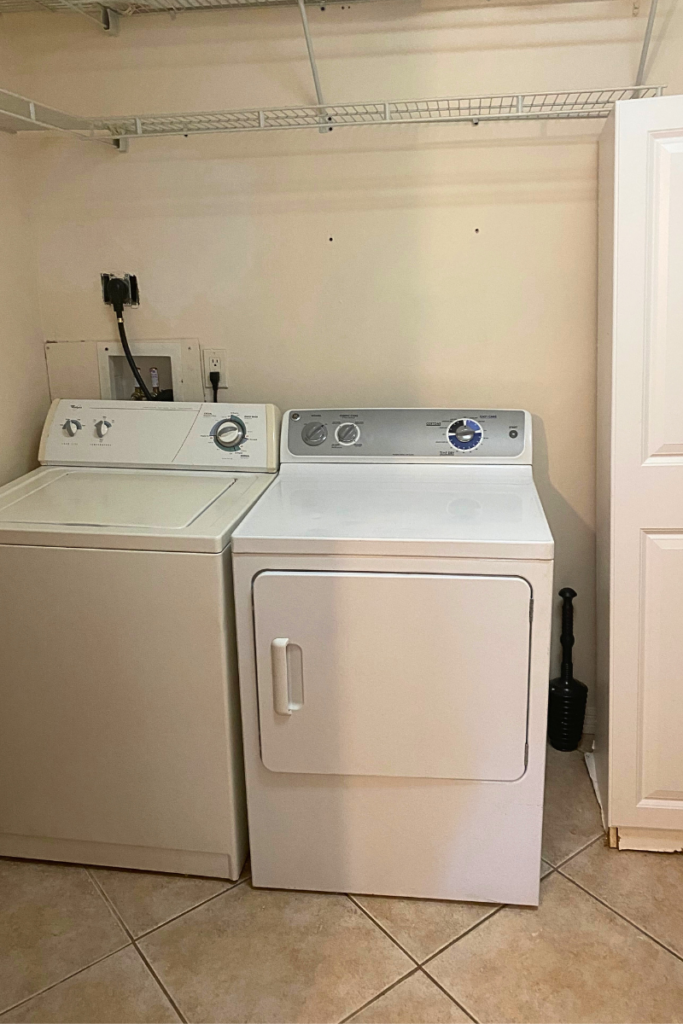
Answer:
(311, 53)
(110, 21)
(100, 19)
(646, 42)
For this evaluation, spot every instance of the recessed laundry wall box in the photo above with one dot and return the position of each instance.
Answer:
(98, 369)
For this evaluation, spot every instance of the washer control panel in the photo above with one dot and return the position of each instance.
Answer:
(183, 435)
(407, 435)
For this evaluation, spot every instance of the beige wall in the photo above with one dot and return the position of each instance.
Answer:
(416, 266)
(23, 381)
(666, 56)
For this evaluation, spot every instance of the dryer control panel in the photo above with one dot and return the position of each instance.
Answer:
(407, 435)
(161, 435)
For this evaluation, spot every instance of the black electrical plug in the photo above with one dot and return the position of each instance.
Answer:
(119, 292)
(214, 378)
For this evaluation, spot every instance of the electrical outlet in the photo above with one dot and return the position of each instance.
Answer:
(215, 361)
(133, 298)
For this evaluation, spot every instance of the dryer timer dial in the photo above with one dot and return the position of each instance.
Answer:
(465, 435)
(314, 433)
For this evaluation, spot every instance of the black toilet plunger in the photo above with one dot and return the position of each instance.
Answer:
(567, 700)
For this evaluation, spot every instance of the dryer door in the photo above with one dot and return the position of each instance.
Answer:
(408, 675)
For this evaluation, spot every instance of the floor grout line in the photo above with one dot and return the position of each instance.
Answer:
(160, 983)
(111, 906)
(450, 996)
(462, 935)
(576, 853)
(382, 928)
(623, 917)
(124, 945)
(67, 977)
(196, 906)
(379, 995)
(451, 942)
(420, 964)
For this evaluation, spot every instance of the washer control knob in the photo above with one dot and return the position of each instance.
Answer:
(101, 427)
(465, 435)
(347, 433)
(71, 427)
(314, 434)
(230, 433)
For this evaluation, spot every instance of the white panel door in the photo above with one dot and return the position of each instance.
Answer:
(646, 676)
(405, 675)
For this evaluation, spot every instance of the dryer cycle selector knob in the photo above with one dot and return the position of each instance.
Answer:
(347, 433)
(101, 427)
(229, 433)
(465, 435)
(314, 434)
(71, 427)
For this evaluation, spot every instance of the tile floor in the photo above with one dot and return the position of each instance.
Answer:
(606, 944)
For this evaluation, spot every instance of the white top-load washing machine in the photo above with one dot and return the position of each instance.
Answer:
(120, 738)
(393, 601)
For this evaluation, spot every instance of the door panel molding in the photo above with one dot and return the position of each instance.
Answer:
(663, 314)
(660, 675)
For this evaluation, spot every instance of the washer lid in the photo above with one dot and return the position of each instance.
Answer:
(157, 500)
(132, 509)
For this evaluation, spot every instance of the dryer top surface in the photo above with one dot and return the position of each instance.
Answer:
(473, 511)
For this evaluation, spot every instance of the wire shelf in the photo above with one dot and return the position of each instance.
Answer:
(126, 8)
(587, 103)
(17, 113)
(134, 7)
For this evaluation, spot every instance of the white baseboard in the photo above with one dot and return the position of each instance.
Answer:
(657, 840)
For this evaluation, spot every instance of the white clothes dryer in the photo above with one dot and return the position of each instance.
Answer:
(393, 602)
(120, 739)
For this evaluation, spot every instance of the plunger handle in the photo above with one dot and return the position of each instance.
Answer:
(567, 638)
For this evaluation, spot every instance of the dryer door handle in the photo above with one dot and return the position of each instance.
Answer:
(278, 654)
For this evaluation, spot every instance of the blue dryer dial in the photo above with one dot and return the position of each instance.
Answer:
(465, 435)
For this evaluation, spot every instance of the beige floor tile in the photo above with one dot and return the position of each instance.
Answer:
(545, 869)
(571, 816)
(119, 988)
(268, 956)
(570, 960)
(53, 922)
(645, 887)
(423, 926)
(145, 900)
(416, 1000)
